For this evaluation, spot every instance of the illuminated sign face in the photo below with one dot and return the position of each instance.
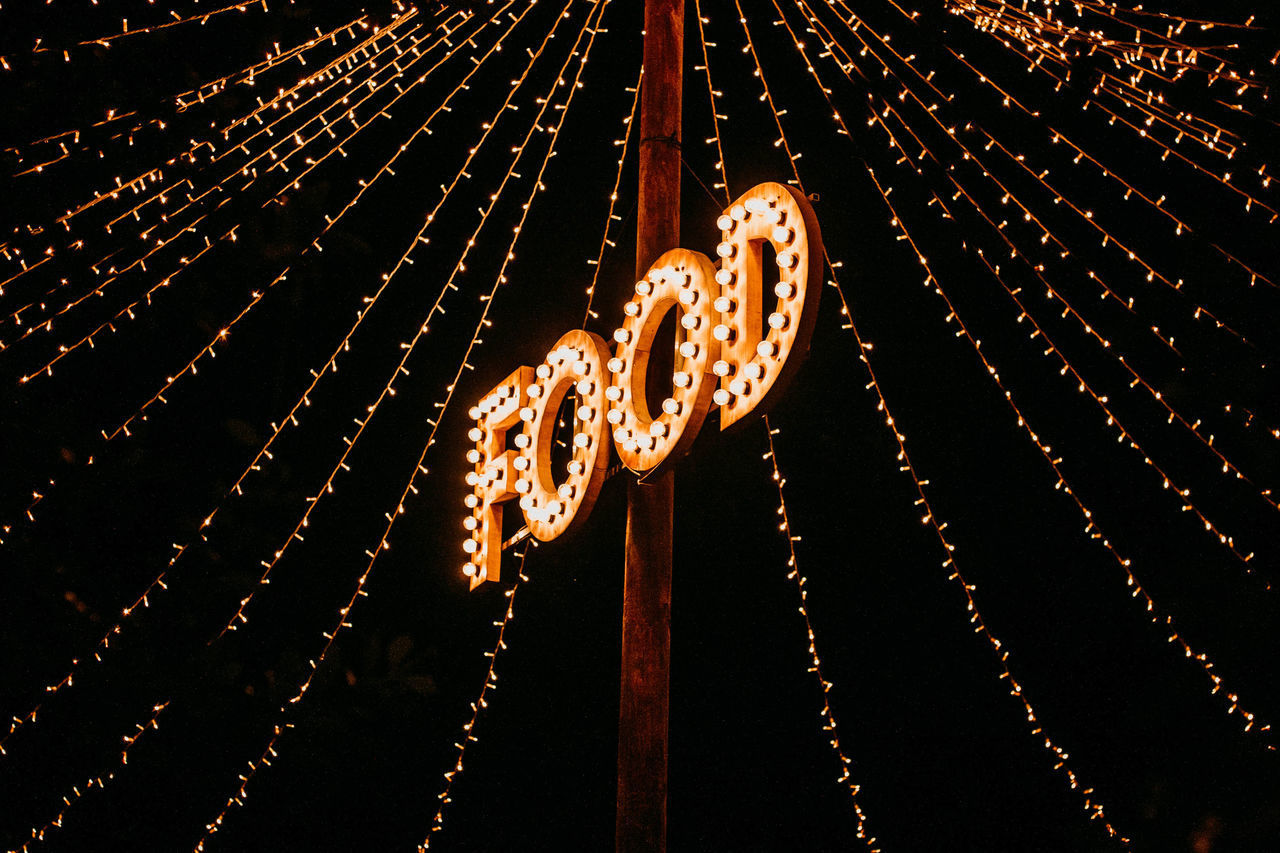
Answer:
(729, 353)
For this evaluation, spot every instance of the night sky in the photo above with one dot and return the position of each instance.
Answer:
(944, 754)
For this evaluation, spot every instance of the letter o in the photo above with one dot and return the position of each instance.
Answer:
(577, 358)
(680, 280)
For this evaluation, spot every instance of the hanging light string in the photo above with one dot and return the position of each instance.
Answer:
(712, 95)
(128, 311)
(1092, 528)
(491, 678)
(159, 584)
(125, 31)
(1032, 30)
(1037, 270)
(1059, 755)
(116, 271)
(1148, 271)
(827, 715)
(40, 833)
(1207, 134)
(69, 141)
(481, 701)
(611, 217)
(282, 725)
(1056, 136)
(1142, 131)
(220, 184)
(388, 389)
(156, 174)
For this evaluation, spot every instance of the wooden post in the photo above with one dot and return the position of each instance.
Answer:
(641, 825)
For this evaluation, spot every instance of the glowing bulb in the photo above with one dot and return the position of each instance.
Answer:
(721, 332)
(721, 368)
(671, 406)
(720, 397)
(689, 349)
(778, 320)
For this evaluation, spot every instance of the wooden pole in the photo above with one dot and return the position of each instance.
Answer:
(641, 825)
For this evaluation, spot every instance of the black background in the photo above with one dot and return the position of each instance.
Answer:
(942, 751)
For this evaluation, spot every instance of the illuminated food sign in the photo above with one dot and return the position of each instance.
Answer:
(733, 351)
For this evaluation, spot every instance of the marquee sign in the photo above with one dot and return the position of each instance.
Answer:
(729, 354)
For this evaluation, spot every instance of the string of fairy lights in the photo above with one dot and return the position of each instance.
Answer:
(177, 213)
(1092, 805)
(130, 310)
(69, 142)
(258, 294)
(99, 782)
(263, 456)
(1024, 314)
(1092, 527)
(590, 29)
(826, 714)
